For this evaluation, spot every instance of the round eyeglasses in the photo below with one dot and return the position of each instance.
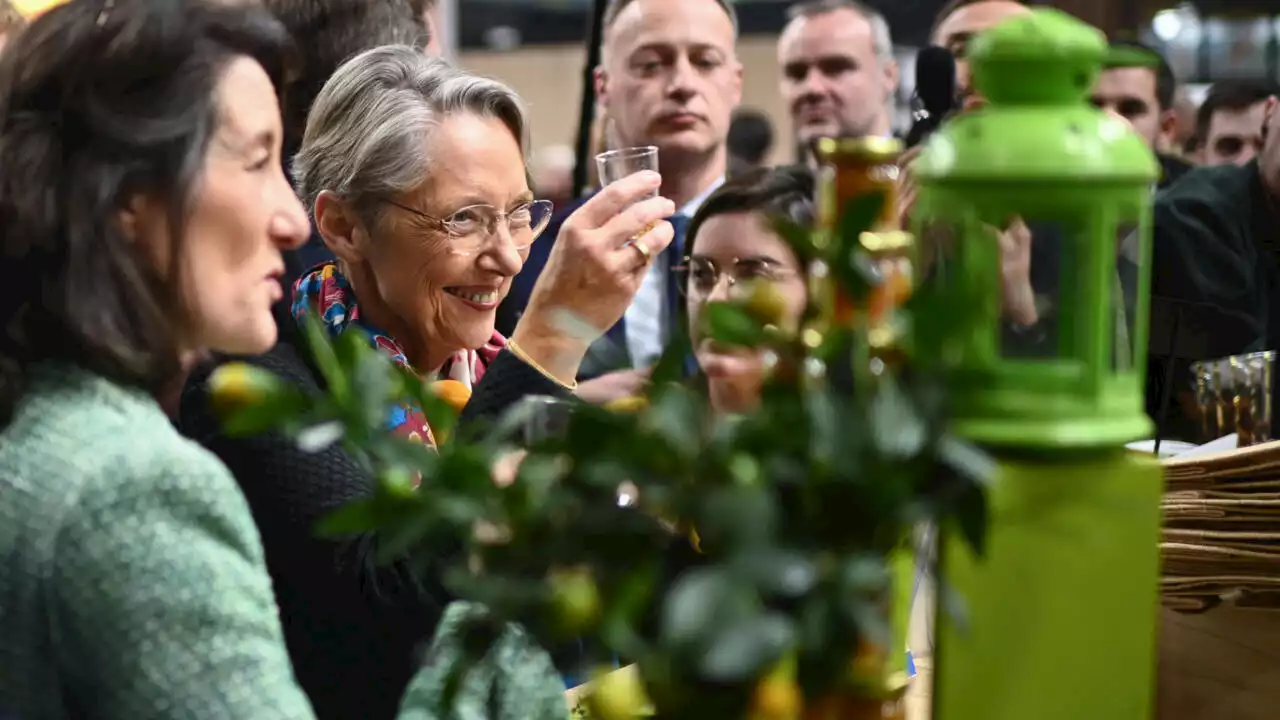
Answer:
(698, 277)
(469, 228)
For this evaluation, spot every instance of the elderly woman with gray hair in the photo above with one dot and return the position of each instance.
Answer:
(414, 171)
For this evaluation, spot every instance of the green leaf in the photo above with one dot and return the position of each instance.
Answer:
(354, 518)
(284, 410)
(439, 413)
(861, 214)
(800, 238)
(852, 266)
(966, 460)
(897, 429)
(745, 649)
(731, 324)
(865, 576)
(372, 379)
(737, 516)
(692, 605)
(674, 418)
(322, 354)
(787, 573)
(871, 620)
(671, 365)
(971, 517)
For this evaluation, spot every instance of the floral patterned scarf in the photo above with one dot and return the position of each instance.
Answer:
(326, 293)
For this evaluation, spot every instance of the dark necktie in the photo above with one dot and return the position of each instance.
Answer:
(671, 258)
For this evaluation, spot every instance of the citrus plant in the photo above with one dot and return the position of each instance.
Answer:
(742, 563)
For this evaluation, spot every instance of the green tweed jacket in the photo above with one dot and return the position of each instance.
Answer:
(134, 587)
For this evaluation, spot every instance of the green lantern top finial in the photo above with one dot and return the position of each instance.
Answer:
(1045, 57)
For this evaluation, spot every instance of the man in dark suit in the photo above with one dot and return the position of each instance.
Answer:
(1143, 94)
(669, 77)
(1215, 276)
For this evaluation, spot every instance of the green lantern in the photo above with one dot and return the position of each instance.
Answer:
(1059, 362)
(1062, 606)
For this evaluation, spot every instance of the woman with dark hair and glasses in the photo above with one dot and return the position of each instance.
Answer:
(143, 213)
(730, 241)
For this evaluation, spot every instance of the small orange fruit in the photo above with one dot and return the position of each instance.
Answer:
(575, 601)
(454, 393)
(237, 386)
(618, 695)
(765, 304)
(629, 404)
(776, 698)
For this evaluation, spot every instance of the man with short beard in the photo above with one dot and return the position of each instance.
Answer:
(838, 70)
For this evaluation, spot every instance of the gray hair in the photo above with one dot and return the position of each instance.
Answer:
(881, 40)
(366, 133)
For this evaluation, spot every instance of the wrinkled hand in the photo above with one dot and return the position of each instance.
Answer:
(1017, 294)
(593, 273)
(614, 386)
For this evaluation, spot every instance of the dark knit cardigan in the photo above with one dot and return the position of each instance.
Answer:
(355, 630)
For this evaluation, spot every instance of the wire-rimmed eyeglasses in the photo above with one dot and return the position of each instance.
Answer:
(470, 227)
(698, 277)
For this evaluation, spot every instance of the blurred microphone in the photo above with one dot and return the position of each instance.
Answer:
(935, 95)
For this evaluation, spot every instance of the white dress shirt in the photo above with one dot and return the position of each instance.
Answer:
(646, 320)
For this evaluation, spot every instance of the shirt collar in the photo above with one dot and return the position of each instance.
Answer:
(692, 206)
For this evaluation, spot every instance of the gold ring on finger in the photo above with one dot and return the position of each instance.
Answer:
(646, 255)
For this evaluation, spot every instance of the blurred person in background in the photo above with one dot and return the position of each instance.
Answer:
(731, 245)
(957, 23)
(143, 214)
(327, 33)
(1213, 260)
(838, 70)
(669, 77)
(10, 21)
(1230, 121)
(429, 11)
(552, 170)
(750, 140)
(415, 175)
(1143, 95)
(1183, 141)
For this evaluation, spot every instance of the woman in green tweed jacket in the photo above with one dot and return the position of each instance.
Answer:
(143, 212)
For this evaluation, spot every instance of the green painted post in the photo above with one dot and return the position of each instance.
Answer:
(1062, 608)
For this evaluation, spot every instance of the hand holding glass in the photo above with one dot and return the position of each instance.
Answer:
(617, 164)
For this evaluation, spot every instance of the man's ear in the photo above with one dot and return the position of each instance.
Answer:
(1168, 128)
(341, 229)
(892, 73)
(601, 79)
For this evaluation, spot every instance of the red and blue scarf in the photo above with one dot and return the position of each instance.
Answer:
(326, 293)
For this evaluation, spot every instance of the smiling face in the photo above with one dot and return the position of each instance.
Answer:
(670, 77)
(832, 81)
(742, 246)
(409, 274)
(242, 214)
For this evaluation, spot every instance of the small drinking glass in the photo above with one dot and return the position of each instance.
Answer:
(617, 164)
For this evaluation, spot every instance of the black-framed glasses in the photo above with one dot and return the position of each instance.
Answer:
(698, 277)
(470, 227)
